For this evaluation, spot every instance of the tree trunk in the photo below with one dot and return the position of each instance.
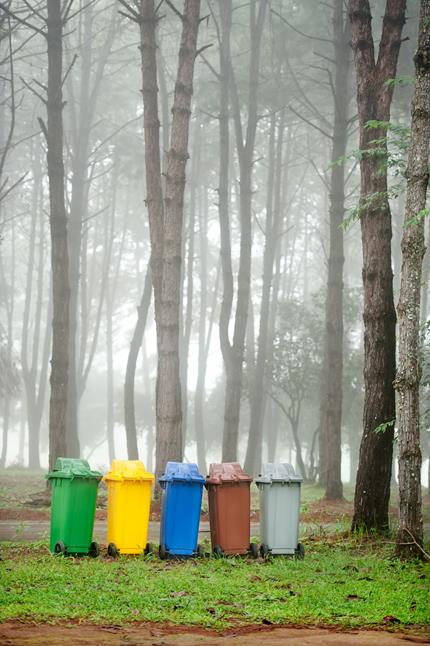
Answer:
(59, 247)
(245, 150)
(374, 95)
(257, 400)
(165, 220)
(331, 401)
(410, 533)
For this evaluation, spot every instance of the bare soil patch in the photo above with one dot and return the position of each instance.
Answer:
(30, 634)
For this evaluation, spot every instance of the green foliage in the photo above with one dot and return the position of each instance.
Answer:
(384, 427)
(339, 583)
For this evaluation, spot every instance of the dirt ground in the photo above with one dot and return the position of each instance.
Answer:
(27, 634)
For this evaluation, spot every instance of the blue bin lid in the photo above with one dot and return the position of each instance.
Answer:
(181, 471)
(283, 472)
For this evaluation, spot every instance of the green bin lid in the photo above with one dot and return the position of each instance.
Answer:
(73, 468)
(273, 472)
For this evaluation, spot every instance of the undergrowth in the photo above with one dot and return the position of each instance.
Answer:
(346, 582)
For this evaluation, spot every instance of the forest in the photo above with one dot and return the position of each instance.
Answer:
(213, 223)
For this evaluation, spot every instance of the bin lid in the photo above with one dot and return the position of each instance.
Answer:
(128, 470)
(227, 472)
(181, 471)
(73, 468)
(281, 472)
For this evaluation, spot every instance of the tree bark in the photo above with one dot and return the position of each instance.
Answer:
(374, 95)
(410, 534)
(59, 247)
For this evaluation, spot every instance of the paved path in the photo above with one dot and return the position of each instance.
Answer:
(21, 634)
(34, 530)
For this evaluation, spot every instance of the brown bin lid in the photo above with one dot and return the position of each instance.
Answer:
(227, 472)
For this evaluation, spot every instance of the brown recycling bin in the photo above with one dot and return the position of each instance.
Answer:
(229, 509)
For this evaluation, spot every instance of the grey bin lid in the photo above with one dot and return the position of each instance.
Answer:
(283, 472)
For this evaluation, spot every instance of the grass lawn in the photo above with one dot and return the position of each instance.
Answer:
(343, 582)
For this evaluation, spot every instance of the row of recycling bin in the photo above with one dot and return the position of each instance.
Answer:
(74, 492)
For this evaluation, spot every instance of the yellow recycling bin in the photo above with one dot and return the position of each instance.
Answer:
(129, 497)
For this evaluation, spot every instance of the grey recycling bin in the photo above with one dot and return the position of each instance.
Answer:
(279, 487)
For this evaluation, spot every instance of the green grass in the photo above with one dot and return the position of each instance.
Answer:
(345, 583)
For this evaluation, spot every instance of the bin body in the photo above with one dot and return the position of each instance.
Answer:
(129, 498)
(182, 489)
(279, 507)
(229, 507)
(73, 504)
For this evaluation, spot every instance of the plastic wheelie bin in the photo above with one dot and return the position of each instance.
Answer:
(182, 489)
(129, 498)
(279, 487)
(229, 509)
(73, 507)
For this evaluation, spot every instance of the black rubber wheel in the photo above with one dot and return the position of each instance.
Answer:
(253, 550)
(218, 551)
(149, 549)
(300, 552)
(94, 550)
(60, 548)
(162, 552)
(264, 550)
(113, 550)
(201, 551)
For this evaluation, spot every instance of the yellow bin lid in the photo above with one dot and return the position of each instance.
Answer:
(128, 470)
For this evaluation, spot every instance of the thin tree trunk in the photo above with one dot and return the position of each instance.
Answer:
(374, 95)
(135, 345)
(59, 247)
(331, 402)
(410, 533)
(245, 150)
(257, 400)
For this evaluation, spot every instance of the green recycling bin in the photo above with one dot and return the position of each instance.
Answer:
(73, 507)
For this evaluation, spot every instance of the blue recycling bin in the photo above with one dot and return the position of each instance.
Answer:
(181, 500)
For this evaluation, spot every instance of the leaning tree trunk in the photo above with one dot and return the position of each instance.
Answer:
(130, 373)
(59, 249)
(374, 95)
(331, 402)
(410, 533)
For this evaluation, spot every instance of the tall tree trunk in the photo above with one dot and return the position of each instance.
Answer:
(166, 219)
(374, 95)
(410, 533)
(245, 150)
(257, 400)
(331, 401)
(59, 247)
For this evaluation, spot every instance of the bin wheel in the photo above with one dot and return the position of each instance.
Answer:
(94, 550)
(253, 549)
(300, 551)
(149, 549)
(201, 551)
(264, 550)
(218, 551)
(60, 548)
(162, 552)
(113, 550)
